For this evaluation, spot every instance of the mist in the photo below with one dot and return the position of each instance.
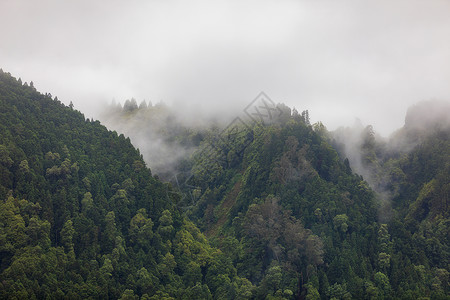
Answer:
(165, 135)
(369, 153)
(341, 60)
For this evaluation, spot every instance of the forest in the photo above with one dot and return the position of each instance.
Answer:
(242, 210)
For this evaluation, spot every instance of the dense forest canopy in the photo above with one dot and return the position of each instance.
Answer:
(255, 210)
(82, 216)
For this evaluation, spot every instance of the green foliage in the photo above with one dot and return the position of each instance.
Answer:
(288, 201)
(82, 217)
(291, 199)
(340, 222)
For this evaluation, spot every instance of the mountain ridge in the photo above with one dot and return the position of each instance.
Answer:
(284, 213)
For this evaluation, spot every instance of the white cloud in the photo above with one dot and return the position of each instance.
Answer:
(339, 59)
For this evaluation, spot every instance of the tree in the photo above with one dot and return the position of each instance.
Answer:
(305, 116)
(313, 293)
(110, 230)
(265, 222)
(384, 261)
(129, 295)
(87, 203)
(340, 222)
(272, 281)
(143, 105)
(67, 234)
(165, 228)
(382, 283)
(130, 105)
(141, 229)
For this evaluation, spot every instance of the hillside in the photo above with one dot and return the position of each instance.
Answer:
(285, 202)
(251, 210)
(410, 172)
(82, 217)
(289, 212)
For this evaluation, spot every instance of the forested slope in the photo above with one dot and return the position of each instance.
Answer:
(82, 217)
(411, 174)
(277, 210)
(284, 204)
(290, 213)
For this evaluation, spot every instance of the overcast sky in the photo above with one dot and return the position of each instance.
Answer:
(339, 59)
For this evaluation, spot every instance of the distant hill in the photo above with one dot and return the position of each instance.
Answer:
(428, 115)
(410, 173)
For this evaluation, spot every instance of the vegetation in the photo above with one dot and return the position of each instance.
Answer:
(255, 212)
(82, 217)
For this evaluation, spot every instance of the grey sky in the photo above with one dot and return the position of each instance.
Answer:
(339, 59)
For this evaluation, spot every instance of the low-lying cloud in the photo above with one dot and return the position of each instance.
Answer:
(340, 60)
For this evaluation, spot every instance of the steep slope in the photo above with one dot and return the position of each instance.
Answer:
(82, 217)
(296, 221)
(419, 186)
(411, 173)
(288, 212)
